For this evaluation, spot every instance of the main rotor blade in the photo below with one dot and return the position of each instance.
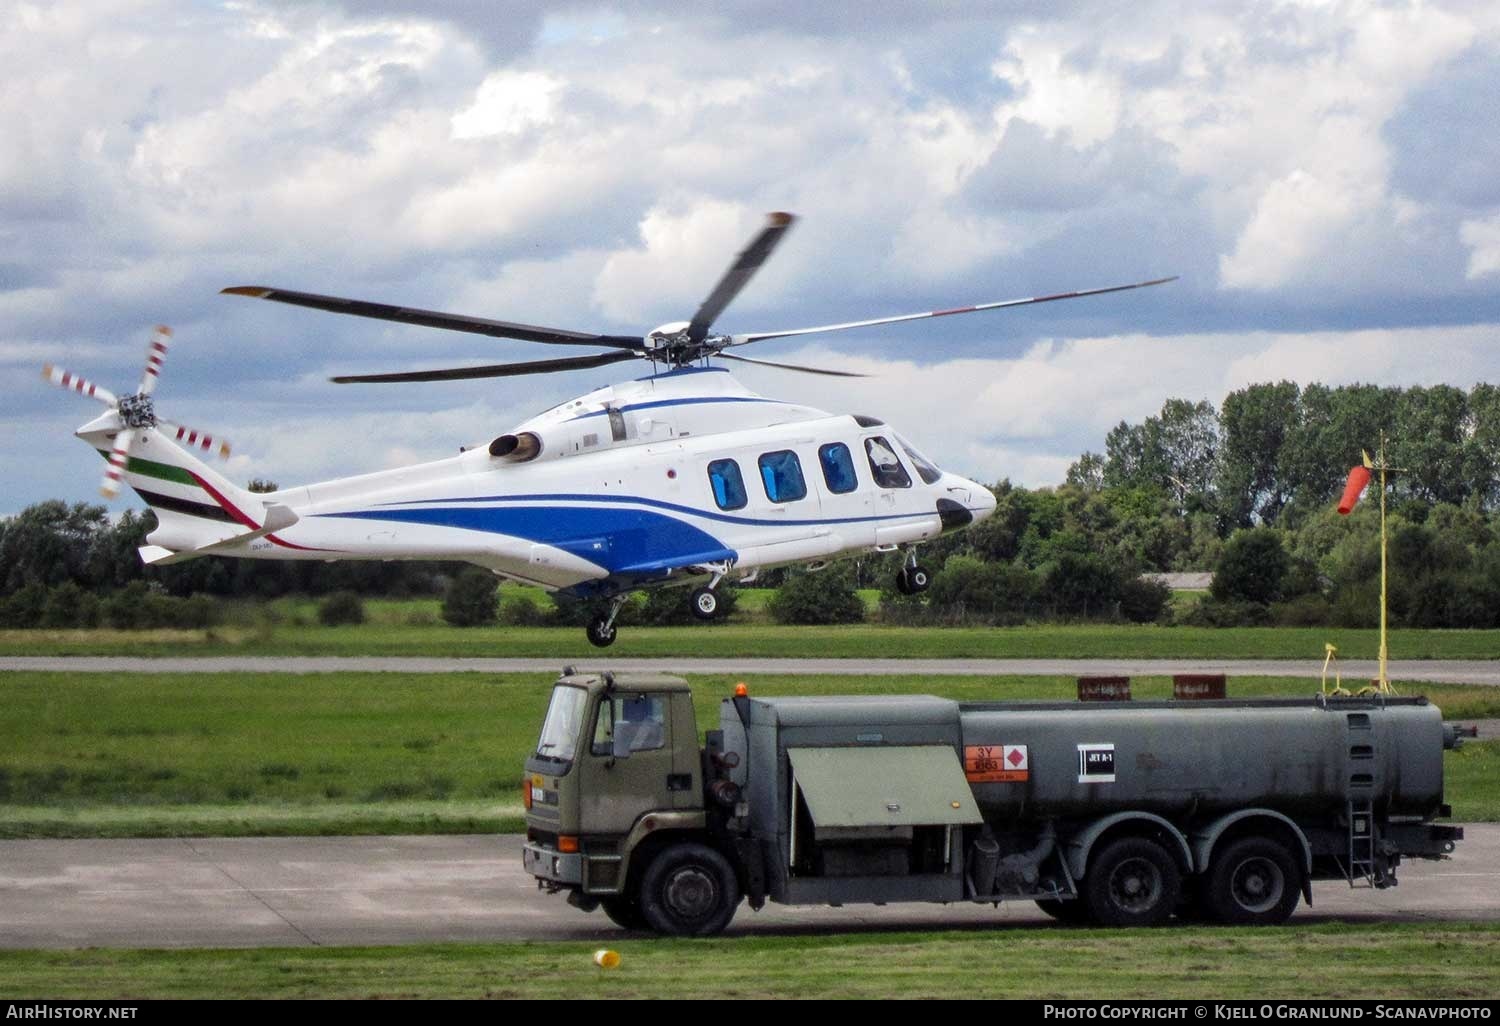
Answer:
(793, 367)
(739, 274)
(499, 370)
(745, 339)
(436, 319)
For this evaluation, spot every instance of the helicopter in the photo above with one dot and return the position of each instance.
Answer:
(680, 477)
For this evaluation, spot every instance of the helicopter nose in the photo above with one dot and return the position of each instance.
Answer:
(981, 502)
(967, 503)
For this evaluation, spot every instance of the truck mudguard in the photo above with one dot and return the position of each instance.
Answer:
(1082, 843)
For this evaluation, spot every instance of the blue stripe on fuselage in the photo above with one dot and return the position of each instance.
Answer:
(706, 514)
(622, 541)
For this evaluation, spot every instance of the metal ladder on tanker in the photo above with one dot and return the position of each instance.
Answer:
(1361, 866)
(1361, 869)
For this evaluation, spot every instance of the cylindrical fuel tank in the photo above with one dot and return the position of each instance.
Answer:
(1029, 760)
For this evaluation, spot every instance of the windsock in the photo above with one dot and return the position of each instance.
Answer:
(1353, 488)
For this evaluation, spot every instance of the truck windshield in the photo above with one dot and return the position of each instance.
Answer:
(560, 729)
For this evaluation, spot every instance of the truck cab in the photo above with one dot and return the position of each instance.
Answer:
(617, 776)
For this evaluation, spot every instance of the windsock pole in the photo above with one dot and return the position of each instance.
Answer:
(1359, 477)
(1384, 682)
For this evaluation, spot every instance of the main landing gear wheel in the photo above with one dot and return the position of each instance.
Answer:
(601, 631)
(689, 890)
(913, 580)
(1132, 882)
(705, 604)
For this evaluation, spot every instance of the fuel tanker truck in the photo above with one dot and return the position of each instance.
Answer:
(1120, 814)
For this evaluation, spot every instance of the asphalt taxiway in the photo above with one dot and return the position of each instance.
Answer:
(299, 891)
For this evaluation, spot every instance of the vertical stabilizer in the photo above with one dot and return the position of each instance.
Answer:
(195, 505)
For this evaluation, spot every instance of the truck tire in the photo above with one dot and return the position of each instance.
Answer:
(1074, 911)
(689, 890)
(1133, 882)
(624, 912)
(1253, 882)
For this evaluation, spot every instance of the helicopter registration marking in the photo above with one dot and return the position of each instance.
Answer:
(996, 764)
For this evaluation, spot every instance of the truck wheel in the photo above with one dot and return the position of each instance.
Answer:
(1132, 882)
(1074, 911)
(689, 890)
(623, 912)
(1255, 882)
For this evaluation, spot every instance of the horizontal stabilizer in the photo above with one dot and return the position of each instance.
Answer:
(155, 555)
(278, 518)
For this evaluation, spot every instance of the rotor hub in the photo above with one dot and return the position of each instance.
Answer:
(137, 411)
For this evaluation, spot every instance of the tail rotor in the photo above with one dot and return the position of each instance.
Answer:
(135, 413)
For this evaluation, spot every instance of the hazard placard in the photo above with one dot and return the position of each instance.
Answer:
(996, 764)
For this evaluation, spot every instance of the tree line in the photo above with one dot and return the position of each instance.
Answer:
(1276, 454)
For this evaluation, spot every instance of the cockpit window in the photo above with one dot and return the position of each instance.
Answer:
(926, 470)
(884, 466)
(782, 474)
(728, 485)
(838, 468)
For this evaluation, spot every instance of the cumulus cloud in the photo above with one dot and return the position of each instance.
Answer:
(598, 170)
(1482, 236)
(1029, 417)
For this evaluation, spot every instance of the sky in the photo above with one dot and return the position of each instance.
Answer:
(1321, 176)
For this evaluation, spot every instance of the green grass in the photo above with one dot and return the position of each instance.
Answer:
(253, 819)
(730, 640)
(239, 753)
(1401, 960)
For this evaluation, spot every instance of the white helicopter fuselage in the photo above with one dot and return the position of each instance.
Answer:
(647, 482)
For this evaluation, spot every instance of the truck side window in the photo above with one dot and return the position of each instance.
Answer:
(782, 474)
(838, 468)
(887, 469)
(728, 485)
(626, 724)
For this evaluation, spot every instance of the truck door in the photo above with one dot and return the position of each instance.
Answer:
(628, 768)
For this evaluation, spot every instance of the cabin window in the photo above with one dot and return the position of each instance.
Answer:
(925, 468)
(782, 474)
(728, 485)
(838, 468)
(886, 468)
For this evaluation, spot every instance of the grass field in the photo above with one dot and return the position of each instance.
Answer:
(409, 633)
(341, 753)
(1404, 960)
